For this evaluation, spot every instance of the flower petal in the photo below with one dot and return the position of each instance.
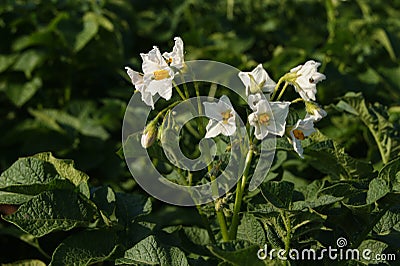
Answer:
(213, 129)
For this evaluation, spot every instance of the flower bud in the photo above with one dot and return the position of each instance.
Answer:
(149, 134)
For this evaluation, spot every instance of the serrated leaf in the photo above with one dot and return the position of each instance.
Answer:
(238, 253)
(53, 211)
(250, 229)
(85, 248)
(278, 194)
(90, 28)
(150, 251)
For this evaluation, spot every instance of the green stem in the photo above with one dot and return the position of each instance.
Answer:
(167, 108)
(201, 126)
(220, 214)
(179, 91)
(297, 100)
(282, 91)
(277, 86)
(185, 88)
(239, 196)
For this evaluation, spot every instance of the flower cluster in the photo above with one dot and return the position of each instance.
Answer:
(158, 72)
(268, 114)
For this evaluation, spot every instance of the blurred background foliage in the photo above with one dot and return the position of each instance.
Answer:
(63, 87)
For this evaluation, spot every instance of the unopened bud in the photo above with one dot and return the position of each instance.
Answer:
(149, 134)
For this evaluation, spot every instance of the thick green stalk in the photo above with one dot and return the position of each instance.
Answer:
(239, 196)
(220, 214)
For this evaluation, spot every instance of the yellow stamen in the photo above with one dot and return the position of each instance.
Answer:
(225, 116)
(298, 134)
(168, 61)
(161, 74)
(263, 118)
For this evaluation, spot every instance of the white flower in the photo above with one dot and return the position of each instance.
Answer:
(302, 129)
(253, 99)
(307, 79)
(269, 118)
(314, 111)
(158, 75)
(175, 58)
(137, 80)
(257, 81)
(222, 118)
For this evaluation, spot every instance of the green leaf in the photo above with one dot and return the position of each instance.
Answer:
(85, 248)
(250, 229)
(378, 188)
(376, 247)
(194, 240)
(380, 36)
(28, 171)
(150, 251)
(375, 118)
(304, 222)
(85, 125)
(90, 29)
(28, 61)
(19, 94)
(278, 194)
(66, 169)
(104, 198)
(13, 198)
(130, 206)
(6, 61)
(26, 263)
(336, 162)
(388, 221)
(32, 175)
(53, 211)
(238, 253)
(391, 173)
